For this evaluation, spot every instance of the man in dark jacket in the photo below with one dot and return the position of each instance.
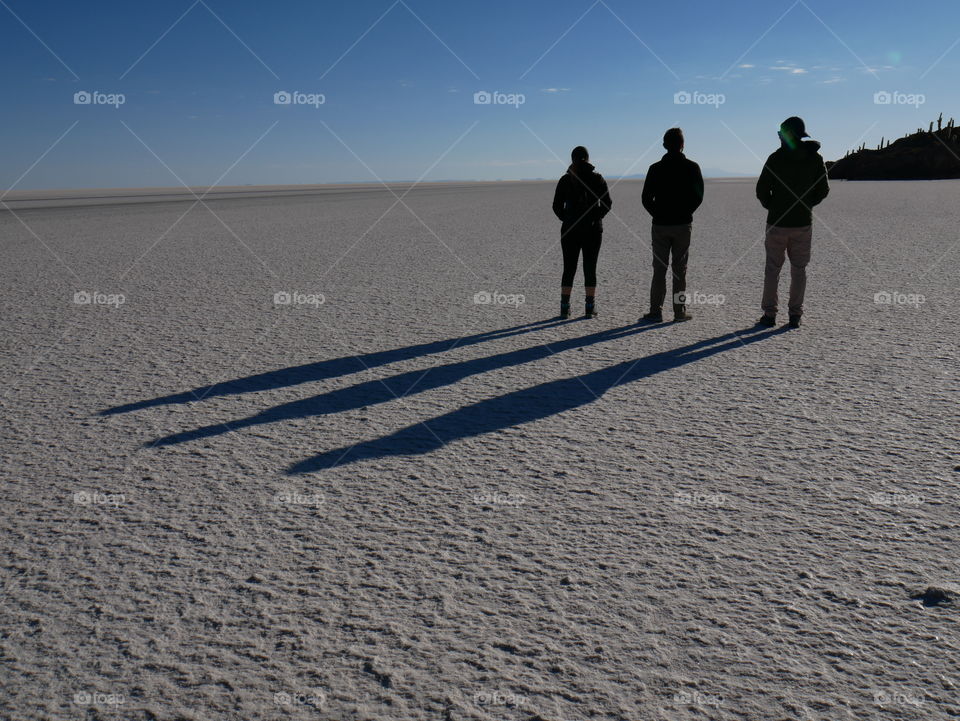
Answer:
(580, 202)
(793, 181)
(672, 191)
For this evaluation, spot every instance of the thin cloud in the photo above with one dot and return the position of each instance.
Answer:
(554, 90)
(746, 65)
(789, 68)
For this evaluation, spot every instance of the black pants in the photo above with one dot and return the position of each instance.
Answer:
(671, 247)
(574, 242)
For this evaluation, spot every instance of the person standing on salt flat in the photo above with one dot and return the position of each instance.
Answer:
(580, 202)
(672, 192)
(793, 181)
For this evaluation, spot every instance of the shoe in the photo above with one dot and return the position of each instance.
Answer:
(794, 321)
(590, 311)
(564, 311)
(680, 317)
(768, 321)
(654, 316)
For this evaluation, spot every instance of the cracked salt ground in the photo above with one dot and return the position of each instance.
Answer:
(214, 508)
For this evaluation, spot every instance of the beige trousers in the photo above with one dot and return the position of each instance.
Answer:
(794, 243)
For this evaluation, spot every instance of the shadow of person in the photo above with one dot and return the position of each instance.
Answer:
(331, 368)
(378, 391)
(525, 405)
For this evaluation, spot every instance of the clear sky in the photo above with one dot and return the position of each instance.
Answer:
(398, 79)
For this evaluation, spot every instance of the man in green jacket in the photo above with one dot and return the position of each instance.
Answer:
(793, 181)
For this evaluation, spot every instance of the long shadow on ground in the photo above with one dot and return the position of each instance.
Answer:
(332, 368)
(525, 405)
(403, 384)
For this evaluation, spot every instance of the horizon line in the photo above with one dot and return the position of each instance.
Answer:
(12, 194)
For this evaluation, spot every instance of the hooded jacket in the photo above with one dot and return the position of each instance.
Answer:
(793, 181)
(673, 190)
(581, 199)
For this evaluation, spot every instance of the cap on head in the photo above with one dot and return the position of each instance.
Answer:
(673, 139)
(579, 154)
(795, 127)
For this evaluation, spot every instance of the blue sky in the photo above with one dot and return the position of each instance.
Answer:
(398, 82)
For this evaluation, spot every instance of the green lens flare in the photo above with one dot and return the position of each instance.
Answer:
(788, 138)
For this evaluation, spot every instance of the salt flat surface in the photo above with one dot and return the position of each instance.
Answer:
(399, 503)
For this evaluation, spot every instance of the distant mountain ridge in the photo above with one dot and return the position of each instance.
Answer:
(924, 155)
(707, 173)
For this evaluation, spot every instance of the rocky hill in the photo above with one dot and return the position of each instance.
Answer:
(928, 154)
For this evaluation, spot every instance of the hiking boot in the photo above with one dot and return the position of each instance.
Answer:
(794, 321)
(564, 311)
(589, 310)
(654, 316)
(767, 321)
(680, 317)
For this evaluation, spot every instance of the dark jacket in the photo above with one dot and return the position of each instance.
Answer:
(792, 183)
(581, 199)
(673, 190)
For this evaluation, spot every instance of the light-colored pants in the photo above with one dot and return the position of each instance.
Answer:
(671, 248)
(795, 244)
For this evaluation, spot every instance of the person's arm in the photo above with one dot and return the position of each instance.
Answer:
(697, 196)
(765, 185)
(821, 188)
(603, 198)
(649, 194)
(558, 199)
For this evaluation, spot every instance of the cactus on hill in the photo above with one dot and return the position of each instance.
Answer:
(926, 154)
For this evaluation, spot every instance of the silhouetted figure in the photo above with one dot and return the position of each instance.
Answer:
(793, 181)
(580, 202)
(672, 192)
